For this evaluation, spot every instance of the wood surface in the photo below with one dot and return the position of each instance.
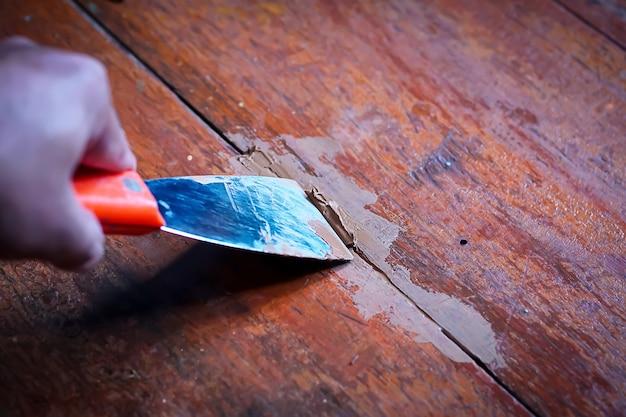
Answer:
(477, 146)
(167, 328)
(607, 16)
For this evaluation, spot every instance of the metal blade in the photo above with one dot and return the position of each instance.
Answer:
(262, 214)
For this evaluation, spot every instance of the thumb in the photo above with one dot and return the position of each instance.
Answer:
(110, 150)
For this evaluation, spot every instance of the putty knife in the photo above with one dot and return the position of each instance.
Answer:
(261, 214)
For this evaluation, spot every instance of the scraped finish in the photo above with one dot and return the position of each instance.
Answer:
(479, 144)
(161, 328)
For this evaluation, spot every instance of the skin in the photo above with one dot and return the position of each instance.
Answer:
(56, 114)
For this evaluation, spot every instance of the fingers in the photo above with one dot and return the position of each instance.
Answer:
(71, 103)
(109, 149)
(57, 229)
(61, 116)
(107, 146)
(77, 239)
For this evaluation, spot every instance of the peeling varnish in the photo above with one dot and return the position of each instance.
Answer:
(334, 215)
(373, 298)
(371, 238)
(262, 163)
(337, 249)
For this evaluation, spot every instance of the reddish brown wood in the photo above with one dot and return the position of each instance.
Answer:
(608, 16)
(435, 123)
(163, 328)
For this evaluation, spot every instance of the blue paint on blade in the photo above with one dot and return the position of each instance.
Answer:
(263, 214)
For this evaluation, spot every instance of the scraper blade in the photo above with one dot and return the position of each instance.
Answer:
(262, 214)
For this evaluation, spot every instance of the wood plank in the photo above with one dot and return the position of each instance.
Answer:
(165, 328)
(607, 16)
(479, 147)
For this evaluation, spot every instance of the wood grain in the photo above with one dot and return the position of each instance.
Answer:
(479, 146)
(608, 16)
(165, 328)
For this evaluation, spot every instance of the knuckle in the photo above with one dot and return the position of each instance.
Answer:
(91, 71)
(94, 70)
(92, 85)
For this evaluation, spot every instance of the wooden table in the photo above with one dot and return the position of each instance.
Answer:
(478, 149)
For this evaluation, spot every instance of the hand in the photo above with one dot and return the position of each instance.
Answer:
(56, 113)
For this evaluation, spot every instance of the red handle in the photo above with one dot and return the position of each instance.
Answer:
(121, 201)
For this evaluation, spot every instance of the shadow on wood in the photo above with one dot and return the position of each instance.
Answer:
(203, 273)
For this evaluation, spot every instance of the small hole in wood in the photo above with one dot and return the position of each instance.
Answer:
(463, 242)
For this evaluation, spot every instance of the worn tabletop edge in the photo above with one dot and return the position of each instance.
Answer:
(99, 25)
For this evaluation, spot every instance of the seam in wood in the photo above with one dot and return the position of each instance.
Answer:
(276, 171)
(587, 22)
(112, 37)
(449, 335)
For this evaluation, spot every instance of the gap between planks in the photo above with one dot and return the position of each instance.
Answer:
(112, 37)
(589, 24)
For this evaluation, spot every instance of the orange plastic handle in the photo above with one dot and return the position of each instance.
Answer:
(121, 201)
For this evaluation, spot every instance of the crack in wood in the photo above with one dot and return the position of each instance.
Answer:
(446, 333)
